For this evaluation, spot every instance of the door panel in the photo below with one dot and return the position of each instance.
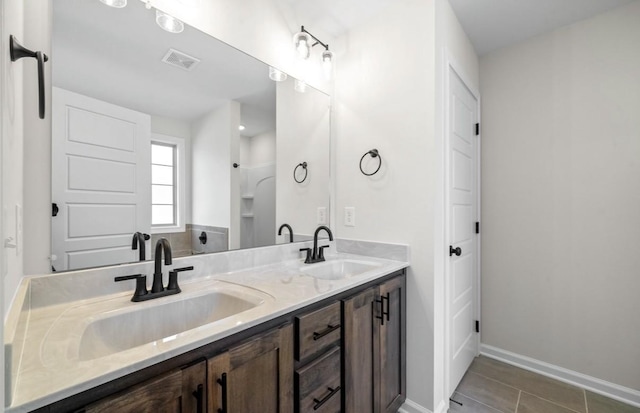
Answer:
(461, 195)
(104, 191)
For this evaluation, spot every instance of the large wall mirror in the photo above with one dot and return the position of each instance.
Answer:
(175, 135)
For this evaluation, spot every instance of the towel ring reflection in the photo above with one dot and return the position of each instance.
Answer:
(374, 154)
(306, 171)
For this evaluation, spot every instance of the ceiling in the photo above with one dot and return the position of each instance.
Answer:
(114, 55)
(493, 24)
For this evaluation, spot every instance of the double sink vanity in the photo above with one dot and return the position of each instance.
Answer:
(251, 331)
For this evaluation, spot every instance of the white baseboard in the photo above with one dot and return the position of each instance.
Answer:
(595, 385)
(413, 407)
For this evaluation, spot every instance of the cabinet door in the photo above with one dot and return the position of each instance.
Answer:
(256, 376)
(390, 362)
(175, 392)
(358, 352)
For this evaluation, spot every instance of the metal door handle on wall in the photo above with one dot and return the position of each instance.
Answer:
(457, 251)
(17, 51)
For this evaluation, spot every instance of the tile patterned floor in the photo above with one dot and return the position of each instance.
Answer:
(491, 386)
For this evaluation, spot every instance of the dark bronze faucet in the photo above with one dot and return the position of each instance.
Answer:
(290, 231)
(138, 242)
(162, 245)
(157, 288)
(317, 254)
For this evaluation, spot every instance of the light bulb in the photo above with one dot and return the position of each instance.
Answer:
(115, 3)
(327, 63)
(301, 43)
(276, 75)
(169, 23)
(300, 86)
(241, 128)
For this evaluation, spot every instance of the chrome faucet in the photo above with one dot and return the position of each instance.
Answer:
(317, 254)
(138, 241)
(290, 231)
(162, 245)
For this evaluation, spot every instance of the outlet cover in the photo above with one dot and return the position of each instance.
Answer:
(322, 215)
(350, 216)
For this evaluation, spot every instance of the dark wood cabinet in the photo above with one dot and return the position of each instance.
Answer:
(390, 335)
(176, 392)
(256, 376)
(374, 348)
(343, 354)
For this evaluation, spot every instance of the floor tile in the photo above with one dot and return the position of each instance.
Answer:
(532, 404)
(556, 391)
(469, 405)
(602, 404)
(489, 392)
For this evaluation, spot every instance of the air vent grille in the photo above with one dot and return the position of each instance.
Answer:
(181, 60)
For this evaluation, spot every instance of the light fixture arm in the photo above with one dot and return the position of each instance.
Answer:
(318, 41)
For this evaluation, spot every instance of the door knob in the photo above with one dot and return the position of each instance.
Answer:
(456, 251)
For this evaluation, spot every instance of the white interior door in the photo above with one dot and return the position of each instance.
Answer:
(461, 196)
(103, 190)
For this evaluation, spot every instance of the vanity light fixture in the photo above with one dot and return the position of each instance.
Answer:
(118, 4)
(302, 42)
(277, 75)
(168, 23)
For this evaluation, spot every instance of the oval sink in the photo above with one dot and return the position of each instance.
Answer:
(116, 331)
(338, 269)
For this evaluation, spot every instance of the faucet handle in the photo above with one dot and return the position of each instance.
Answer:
(173, 277)
(141, 285)
(321, 252)
(308, 259)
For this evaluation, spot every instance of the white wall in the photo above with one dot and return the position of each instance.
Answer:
(12, 145)
(3, 78)
(561, 197)
(258, 150)
(384, 99)
(302, 135)
(215, 182)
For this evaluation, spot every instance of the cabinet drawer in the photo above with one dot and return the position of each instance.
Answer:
(318, 385)
(317, 330)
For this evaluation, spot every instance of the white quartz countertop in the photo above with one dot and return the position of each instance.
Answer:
(52, 366)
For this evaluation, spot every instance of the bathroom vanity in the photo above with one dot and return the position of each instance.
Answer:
(295, 337)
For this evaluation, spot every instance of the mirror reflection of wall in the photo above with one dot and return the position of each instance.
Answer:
(123, 90)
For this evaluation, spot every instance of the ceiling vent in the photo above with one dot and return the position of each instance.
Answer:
(181, 60)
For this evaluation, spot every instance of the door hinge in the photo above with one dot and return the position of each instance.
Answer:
(477, 326)
(477, 129)
(477, 227)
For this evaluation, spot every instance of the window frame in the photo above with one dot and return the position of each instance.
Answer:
(179, 184)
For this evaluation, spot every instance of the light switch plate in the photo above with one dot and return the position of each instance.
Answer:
(350, 216)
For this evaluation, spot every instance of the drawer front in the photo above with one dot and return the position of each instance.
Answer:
(318, 385)
(317, 331)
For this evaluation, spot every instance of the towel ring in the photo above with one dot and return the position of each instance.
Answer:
(374, 154)
(306, 171)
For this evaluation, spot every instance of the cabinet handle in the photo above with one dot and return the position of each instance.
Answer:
(326, 398)
(383, 314)
(198, 395)
(329, 329)
(222, 381)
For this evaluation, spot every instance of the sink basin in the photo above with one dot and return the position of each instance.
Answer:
(116, 331)
(338, 269)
